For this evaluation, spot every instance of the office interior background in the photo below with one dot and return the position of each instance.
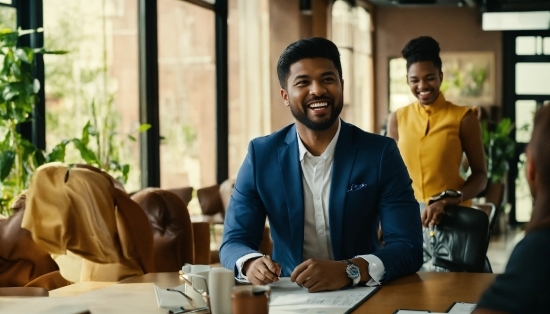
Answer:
(202, 73)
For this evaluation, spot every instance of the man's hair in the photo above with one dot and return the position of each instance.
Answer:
(314, 47)
(539, 145)
(423, 48)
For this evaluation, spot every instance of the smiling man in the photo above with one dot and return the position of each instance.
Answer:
(325, 186)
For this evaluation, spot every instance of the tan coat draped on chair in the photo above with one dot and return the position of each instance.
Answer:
(93, 230)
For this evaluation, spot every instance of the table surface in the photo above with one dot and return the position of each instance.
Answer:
(421, 291)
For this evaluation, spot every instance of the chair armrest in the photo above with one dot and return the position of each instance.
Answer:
(201, 242)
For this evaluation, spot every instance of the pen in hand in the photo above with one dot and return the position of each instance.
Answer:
(277, 271)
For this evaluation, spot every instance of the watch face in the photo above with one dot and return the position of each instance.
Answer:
(353, 271)
(452, 193)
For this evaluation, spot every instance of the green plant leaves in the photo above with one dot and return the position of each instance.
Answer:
(7, 158)
(499, 148)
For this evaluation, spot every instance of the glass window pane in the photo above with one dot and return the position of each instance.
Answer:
(524, 200)
(187, 95)
(362, 35)
(400, 93)
(8, 17)
(546, 45)
(341, 24)
(525, 110)
(96, 81)
(533, 78)
(347, 73)
(526, 45)
(250, 75)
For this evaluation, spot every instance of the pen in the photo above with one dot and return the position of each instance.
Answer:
(187, 311)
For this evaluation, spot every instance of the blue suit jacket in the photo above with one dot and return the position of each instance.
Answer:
(370, 184)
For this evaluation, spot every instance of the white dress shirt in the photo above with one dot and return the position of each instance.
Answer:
(316, 180)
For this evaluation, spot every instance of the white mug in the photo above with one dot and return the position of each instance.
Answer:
(220, 282)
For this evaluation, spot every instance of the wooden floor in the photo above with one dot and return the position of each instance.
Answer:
(501, 246)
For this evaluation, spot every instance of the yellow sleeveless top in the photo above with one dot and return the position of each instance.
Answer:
(433, 158)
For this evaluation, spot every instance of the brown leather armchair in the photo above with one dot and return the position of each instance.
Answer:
(21, 260)
(173, 233)
(211, 204)
(185, 193)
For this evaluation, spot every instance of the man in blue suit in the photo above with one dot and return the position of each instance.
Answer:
(325, 186)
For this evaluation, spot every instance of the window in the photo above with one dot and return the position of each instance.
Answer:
(96, 81)
(8, 16)
(352, 33)
(249, 77)
(187, 94)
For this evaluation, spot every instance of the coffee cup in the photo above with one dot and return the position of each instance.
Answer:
(220, 282)
(251, 299)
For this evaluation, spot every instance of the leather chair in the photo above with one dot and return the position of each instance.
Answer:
(226, 189)
(98, 233)
(21, 260)
(461, 240)
(211, 204)
(174, 240)
(185, 193)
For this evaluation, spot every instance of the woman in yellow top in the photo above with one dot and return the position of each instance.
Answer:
(432, 135)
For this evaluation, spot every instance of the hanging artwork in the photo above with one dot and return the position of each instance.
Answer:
(468, 79)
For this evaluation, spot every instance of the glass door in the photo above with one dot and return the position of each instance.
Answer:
(526, 87)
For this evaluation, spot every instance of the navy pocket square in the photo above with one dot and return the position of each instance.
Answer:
(355, 187)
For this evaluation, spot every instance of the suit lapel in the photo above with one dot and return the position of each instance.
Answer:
(292, 179)
(344, 157)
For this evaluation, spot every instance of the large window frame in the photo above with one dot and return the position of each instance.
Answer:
(510, 59)
(30, 16)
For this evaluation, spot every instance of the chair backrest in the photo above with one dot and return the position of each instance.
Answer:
(461, 240)
(172, 230)
(185, 193)
(226, 189)
(210, 200)
(100, 234)
(21, 260)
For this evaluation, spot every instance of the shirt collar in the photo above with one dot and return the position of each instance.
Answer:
(434, 107)
(328, 153)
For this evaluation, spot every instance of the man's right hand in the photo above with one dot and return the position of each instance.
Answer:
(262, 270)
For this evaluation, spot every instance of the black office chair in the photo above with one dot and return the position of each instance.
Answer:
(461, 240)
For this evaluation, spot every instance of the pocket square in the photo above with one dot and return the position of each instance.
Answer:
(355, 187)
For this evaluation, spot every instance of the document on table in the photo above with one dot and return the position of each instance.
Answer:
(462, 308)
(288, 297)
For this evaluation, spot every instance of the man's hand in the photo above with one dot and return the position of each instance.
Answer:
(320, 275)
(262, 271)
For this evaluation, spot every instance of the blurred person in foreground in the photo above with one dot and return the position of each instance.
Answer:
(325, 186)
(524, 287)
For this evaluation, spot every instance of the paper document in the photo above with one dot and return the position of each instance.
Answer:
(288, 297)
(462, 308)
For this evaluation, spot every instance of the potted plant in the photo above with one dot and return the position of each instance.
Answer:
(18, 94)
(499, 148)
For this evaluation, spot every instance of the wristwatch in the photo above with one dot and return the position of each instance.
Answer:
(353, 272)
(445, 194)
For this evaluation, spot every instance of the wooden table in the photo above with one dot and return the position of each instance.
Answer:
(427, 291)
(421, 291)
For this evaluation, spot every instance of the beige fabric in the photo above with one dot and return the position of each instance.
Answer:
(93, 230)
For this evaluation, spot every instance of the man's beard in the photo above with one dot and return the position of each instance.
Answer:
(318, 126)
